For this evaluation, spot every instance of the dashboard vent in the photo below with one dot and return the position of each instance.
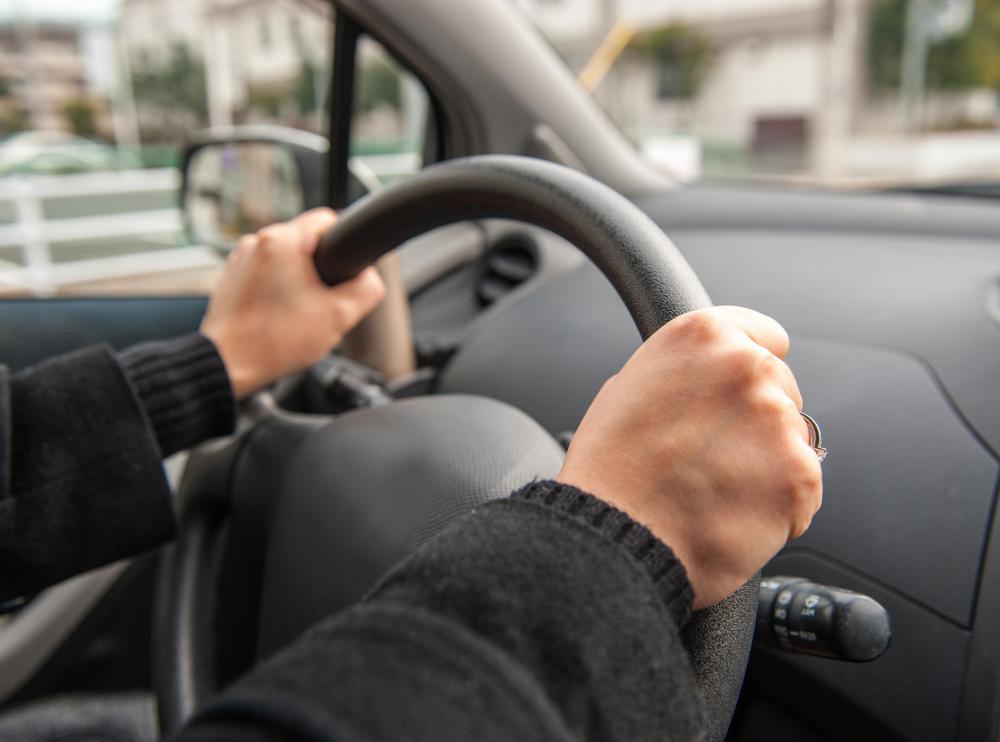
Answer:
(511, 262)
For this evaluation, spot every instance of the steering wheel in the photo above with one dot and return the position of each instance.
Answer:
(265, 549)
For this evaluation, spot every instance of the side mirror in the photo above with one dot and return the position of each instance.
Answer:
(239, 179)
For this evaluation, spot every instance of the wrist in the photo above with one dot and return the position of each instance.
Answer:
(622, 496)
(243, 377)
(184, 389)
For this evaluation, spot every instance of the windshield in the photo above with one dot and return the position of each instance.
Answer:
(848, 93)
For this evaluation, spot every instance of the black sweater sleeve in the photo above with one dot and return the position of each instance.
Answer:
(547, 616)
(81, 442)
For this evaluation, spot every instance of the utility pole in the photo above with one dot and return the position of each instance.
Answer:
(25, 44)
(842, 84)
(913, 71)
(927, 22)
(124, 114)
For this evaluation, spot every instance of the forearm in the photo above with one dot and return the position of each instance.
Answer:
(81, 471)
(546, 616)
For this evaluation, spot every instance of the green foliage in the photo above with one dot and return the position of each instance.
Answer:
(299, 95)
(885, 43)
(13, 120)
(179, 84)
(304, 91)
(968, 60)
(267, 100)
(81, 116)
(682, 54)
(378, 84)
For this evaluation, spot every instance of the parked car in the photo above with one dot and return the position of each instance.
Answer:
(57, 153)
(892, 301)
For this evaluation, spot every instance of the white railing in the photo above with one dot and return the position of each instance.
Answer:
(33, 234)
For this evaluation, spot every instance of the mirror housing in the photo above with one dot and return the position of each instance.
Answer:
(238, 179)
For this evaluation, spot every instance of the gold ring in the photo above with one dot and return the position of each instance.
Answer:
(815, 437)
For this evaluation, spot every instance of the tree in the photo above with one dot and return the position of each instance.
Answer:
(81, 116)
(267, 100)
(304, 90)
(13, 120)
(178, 85)
(378, 85)
(968, 60)
(682, 55)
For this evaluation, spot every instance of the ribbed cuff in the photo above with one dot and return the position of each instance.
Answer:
(664, 568)
(184, 389)
(4, 433)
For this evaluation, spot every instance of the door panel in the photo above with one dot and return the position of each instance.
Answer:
(34, 329)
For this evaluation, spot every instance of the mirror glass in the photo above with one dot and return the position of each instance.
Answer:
(235, 188)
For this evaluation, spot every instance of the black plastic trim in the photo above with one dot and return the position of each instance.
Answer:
(345, 46)
(979, 717)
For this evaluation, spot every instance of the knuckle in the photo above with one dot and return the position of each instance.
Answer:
(771, 366)
(703, 325)
(270, 239)
(320, 211)
(776, 406)
(742, 363)
(245, 244)
(804, 479)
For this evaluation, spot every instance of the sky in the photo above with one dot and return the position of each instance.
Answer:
(60, 10)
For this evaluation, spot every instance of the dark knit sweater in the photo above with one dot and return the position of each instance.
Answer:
(547, 616)
(83, 437)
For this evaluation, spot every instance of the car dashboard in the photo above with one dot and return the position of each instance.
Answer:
(896, 346)
(893, 307)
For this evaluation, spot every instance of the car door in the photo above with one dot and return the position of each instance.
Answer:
(103, 252)
(94, 247)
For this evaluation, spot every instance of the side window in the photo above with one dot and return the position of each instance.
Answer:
(238, 184)
(94, 110)
(390, 118)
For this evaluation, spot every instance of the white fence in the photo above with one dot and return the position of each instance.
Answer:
(99, 209)
(52, 226)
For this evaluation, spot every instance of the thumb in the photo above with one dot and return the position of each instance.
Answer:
(352, 300)
(312, 225)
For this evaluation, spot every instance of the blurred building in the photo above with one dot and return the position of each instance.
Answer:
(252, 54)
(46, 80)
(783, 82)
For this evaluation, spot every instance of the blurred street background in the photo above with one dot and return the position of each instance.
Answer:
(830, 92)
(97, 99)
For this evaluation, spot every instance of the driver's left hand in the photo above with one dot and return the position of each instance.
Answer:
(270, 315)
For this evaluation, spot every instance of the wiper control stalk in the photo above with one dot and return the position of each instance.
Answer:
(797, 615)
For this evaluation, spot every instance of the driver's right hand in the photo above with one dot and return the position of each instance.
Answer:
(699, 437)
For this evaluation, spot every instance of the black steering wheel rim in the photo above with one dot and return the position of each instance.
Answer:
(645, 268)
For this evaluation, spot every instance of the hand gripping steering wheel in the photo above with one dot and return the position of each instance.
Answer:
(264, 533)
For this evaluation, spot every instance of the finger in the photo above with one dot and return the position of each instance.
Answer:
(786, 379)
(762, 329)
(354, 299)
(276, 239)
(312, 225)
(806, 432)
(244, 246)
(810, 494)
